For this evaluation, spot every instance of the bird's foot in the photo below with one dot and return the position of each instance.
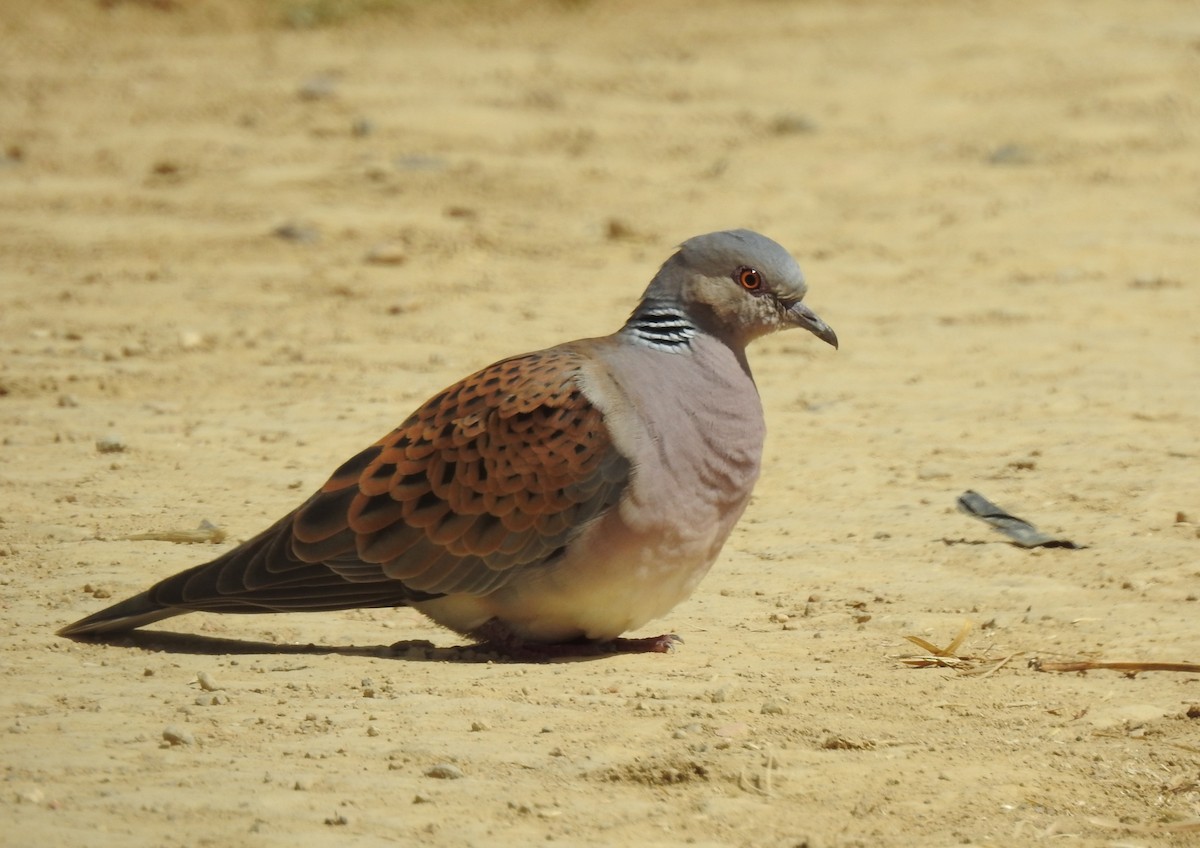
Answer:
(664, 644)
(497, 637)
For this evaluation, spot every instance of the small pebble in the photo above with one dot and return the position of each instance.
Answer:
(386, 254)
(319, 87)
(111, 444)
(175, 735)
(31, 796)
(721, 694)
(298, 233)
(616, 229)
(1010, 154)
(791, 123)
(772, 708)
(444, 771)
(420, 162)
(191, 340)
(206, 682)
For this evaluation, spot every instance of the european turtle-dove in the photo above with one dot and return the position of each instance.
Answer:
(553, 500)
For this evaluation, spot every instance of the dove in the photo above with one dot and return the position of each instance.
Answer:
(550, 502)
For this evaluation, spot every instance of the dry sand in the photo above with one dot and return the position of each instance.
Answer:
(235, 251)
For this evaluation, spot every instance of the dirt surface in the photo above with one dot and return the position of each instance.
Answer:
(237, 249)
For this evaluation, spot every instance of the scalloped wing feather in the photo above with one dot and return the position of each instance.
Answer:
(496, 473)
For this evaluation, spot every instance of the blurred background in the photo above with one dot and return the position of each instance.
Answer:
(240, 239)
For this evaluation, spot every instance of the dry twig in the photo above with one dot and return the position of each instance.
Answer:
(948, 657)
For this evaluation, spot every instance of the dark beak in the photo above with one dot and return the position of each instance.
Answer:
(802, 316)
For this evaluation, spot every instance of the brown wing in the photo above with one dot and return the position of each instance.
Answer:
(494, 474)
(497, 472)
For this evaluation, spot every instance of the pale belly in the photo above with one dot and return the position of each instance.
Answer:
(612, 581)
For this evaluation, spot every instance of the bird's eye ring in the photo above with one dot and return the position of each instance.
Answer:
(749, 279)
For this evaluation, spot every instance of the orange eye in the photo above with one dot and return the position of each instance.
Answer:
(749, 279)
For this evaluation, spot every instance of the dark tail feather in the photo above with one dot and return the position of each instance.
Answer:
(129, 614)
(261, 575)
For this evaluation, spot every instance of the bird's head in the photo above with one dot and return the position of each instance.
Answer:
(737, 285)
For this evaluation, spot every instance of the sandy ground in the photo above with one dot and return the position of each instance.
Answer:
(235, 251)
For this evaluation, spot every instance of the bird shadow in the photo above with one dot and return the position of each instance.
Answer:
(413, 650)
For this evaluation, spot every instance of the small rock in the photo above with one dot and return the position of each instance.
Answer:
(175, 735)
(772, 708)
(420, 162)
(792, 123)
(477, 726)
(206, 682)
(111, 444)
(319, 87)
(386, 254)
(191, 340)
(616, 229)
(444, 771)
(1010, 154)
(296, 232)
(31, 796)
(721, 694)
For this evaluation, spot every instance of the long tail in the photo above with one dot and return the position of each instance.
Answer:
(261, 575)
(129, 614)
